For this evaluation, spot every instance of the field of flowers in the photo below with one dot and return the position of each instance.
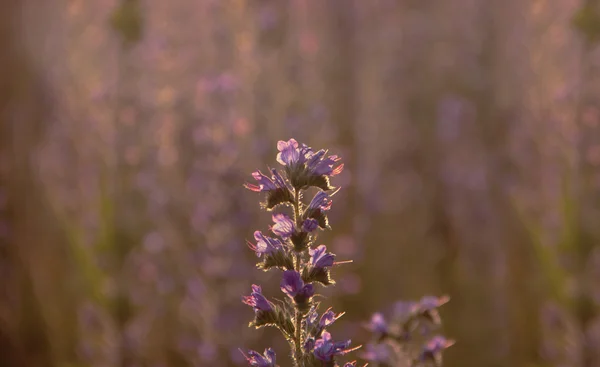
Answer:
(142, 142)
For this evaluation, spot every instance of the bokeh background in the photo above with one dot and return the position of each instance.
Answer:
(470, 131)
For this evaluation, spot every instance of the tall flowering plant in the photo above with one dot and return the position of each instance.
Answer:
(304, 265)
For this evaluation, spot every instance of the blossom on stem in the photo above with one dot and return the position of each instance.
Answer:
(309, 344)
(284, 226)
(321, 201)
(257, 301)
(274, 251)
(290, 153)
(319, 264)
(329, 317)
(277, 189)
(318, 164)
(265, 245)
(293, 285)
(255, 359)
(305, 167)
(310, 225)
(320, 258)
(264, 183)
(326, 349)
(315, 325)
(318, 207)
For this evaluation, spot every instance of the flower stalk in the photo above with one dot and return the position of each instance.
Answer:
(304, 264)
(297, 314)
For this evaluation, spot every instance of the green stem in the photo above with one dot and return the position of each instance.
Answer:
(298, 337)
(297, 211)
(298, 314)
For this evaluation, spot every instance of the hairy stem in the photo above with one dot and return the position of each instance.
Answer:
(298, 353)
(298, 265)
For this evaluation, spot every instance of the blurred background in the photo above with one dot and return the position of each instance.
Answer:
(470, 131)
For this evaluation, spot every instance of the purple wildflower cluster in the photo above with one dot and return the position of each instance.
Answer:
(406, 339)
(304, 265)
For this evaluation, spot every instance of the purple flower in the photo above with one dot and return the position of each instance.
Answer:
(319, 263)
(311, 318)
(319, 258)
(257, 300)
(278, 179)
(309, 344)
(432, 350)
(293, 285)
(264, 183)
(277, 188)
(290, 154)
(438, 343)
(265, 245)
(310, 225)
(321, 201)
(305, 167)
(378, 325)
(284, 226)
(256, 359)
(320, 165)
(329, 318)
(428, 303)
(325, 349)
(427, 307)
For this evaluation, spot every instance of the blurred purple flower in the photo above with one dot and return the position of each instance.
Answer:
(256, 300)
(433, 349)
(284, 226)
(255, 359)
(438, 343)
(378, 325)
(265, 245)
(293, 285)
(325, 349)
(431, 302)
(319, 258)
(428, 307)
